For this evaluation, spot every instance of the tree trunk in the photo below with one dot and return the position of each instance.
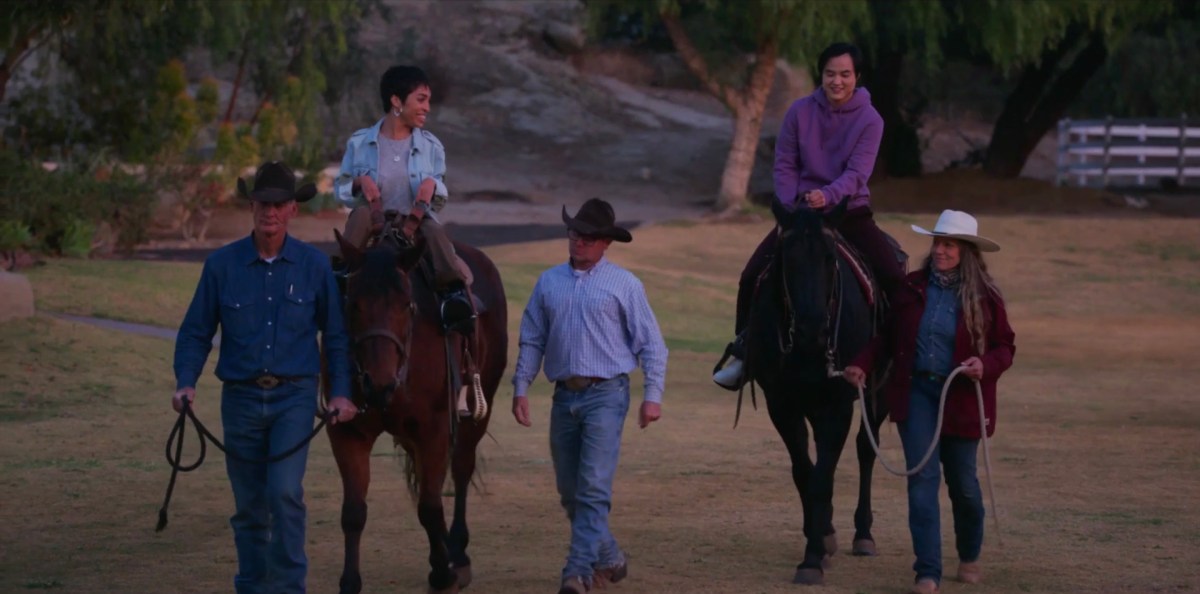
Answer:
(13, 56)
(237, 80)
(739, 164)
(900, 149)
(1040, 100)
(747, 105)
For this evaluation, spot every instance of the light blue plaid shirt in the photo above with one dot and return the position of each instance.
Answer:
(593, 323)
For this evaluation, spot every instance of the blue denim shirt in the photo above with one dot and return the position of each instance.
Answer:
(269, 315)
(427, 160)
(935, 335)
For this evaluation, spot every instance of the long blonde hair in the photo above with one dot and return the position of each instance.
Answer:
(975, 285)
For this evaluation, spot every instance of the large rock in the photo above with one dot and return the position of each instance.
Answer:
(16, 296)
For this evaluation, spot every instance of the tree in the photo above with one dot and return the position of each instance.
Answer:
(732, 48)
(1055, 47)
(898, 32)
(26, 26)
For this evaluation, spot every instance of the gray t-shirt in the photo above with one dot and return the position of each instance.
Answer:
(393, 174)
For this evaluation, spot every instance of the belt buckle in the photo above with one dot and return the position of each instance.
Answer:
(267, 382)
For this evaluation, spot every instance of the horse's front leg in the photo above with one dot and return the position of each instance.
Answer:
(831, 426)
(352, 450)
(431, 475)
(789, 422)
(864, 542)
(462, 469)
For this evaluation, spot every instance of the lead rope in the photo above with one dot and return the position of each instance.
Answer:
(937, 433)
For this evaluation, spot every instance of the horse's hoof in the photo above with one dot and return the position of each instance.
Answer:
(464, 576)
(831, 545)
(809, 576)
(864, 547)
(350, 585)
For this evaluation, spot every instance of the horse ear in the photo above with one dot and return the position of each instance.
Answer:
(834, 217)
(350, 252)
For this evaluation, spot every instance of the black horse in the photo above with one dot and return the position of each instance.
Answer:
(810, 316)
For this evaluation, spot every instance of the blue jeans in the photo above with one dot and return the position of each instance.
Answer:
(585, 442)
(268, 526)
(957, 456)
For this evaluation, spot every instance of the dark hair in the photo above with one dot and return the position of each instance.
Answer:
(840, 48)
(400, 81)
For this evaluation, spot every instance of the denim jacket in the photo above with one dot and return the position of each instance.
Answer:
(428, 160)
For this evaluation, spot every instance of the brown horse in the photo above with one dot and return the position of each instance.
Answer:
(404, 383)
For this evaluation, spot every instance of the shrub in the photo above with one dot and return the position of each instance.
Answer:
(59, 208)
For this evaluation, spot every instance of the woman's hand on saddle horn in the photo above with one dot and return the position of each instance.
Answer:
(815, 199)
(343, 409)
(855, 376)
(370, 191)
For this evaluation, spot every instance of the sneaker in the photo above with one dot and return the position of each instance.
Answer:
(969, 572)
(574, 585)
(731, 377)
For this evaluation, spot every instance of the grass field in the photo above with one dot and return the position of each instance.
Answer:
(1096, 461)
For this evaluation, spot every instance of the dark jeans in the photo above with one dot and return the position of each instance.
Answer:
(858, 228)
(957, 456)
(268, 527)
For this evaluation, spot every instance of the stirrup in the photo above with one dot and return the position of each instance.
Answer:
(457, 313)
(733, 376)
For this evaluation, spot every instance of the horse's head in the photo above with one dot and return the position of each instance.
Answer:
(380, 311)
(808, 264)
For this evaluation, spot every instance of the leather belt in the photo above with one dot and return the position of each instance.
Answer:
(270, 382)
(577, 383)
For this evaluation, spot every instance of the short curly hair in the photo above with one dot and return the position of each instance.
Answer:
(400, 81)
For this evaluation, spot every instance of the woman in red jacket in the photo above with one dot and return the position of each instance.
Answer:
(945, 315)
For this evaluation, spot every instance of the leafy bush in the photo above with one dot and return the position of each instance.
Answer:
(14, 235)
(62, 208)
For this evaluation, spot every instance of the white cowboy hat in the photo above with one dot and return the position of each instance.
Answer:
(959, 225)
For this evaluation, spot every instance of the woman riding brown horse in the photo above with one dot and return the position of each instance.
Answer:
(408, 387)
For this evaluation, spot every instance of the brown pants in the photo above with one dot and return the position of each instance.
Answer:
(448, 268)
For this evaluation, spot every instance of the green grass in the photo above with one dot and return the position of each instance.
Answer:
(155, 293)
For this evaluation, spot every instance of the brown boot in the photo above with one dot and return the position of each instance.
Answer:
(573, 585)
(969, 572)
(925, 586)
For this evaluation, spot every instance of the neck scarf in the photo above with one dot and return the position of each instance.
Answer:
(945, 280)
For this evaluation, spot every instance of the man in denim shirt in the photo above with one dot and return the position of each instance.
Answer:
(270, 294)
(588, 324)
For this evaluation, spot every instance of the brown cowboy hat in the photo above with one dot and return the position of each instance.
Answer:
(275, 182)
(596, 219)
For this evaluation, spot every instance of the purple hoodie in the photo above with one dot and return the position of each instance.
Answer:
(830, 148)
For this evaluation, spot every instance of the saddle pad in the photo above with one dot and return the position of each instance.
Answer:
(859, 268)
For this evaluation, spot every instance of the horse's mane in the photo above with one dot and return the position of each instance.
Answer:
(379, 271)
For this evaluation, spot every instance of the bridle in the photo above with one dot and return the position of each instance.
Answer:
(403, 348)
(833, 307)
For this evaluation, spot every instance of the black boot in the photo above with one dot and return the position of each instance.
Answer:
(457, 313)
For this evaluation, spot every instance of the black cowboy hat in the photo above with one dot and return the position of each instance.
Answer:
(275, 182)
(596, 219)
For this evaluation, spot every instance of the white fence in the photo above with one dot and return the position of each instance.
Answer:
(1114, 152)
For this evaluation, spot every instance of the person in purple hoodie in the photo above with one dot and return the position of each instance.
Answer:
(824, 155)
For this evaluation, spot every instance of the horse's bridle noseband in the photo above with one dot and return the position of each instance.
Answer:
(402, 349)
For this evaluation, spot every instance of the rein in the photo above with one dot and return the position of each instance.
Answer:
(937, 434)
(204, 435)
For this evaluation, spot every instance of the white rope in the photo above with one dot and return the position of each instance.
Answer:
(937, 435)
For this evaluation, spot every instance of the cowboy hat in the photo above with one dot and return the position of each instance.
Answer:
(275, 182)
(957, 224)
(596, 219)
